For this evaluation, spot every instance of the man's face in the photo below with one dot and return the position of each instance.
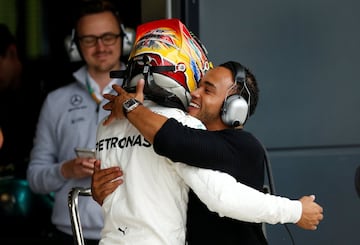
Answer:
(208, 98)
(100, 57)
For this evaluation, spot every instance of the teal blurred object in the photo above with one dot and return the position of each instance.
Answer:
(16, 198)
(23, 214)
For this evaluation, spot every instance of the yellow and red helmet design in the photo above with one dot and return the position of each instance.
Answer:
(175, 59)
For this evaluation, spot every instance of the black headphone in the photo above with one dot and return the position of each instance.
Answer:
(235, 109)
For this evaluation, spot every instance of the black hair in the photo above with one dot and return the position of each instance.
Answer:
(87, 7)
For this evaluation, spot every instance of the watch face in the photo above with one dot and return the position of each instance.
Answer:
(130, 104)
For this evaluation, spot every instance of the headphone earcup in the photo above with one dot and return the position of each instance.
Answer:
(72, 47)
(127, 40)
(234, 111)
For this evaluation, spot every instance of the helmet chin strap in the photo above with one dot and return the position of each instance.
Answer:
(156, 93)
(152, 91)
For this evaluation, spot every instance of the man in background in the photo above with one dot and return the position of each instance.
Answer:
(69, 119)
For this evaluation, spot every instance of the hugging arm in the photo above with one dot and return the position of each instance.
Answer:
(224, 195)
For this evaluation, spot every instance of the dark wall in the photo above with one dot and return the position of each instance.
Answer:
(305, 55)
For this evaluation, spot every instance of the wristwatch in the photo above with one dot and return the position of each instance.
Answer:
(129, 105)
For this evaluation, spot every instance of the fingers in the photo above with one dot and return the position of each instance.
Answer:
(110, 97)
(316, 222)
(104, 182)
(140, 90)
(310, 198)
(108, 106)
(118, 88)
(105, 191)
(106, 175)
(88, 163)
(312, 213)
(97, 164)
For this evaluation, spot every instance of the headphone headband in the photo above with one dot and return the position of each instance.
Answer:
(238, 72)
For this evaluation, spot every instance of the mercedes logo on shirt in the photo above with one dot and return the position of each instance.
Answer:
(76, 100)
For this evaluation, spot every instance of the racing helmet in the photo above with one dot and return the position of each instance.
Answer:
(170, 58)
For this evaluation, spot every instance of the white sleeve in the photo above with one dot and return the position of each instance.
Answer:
(223, 194)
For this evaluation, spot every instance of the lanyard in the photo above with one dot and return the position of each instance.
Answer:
(91, 90)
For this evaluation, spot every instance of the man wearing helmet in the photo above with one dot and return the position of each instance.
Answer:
(150, 206)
